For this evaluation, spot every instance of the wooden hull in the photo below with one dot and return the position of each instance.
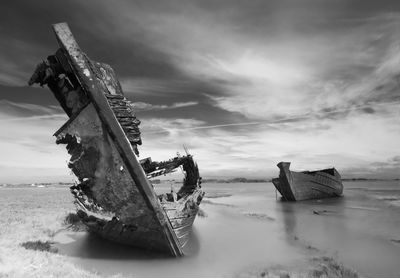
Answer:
(297, 186)
(114, 196)
(181, 215)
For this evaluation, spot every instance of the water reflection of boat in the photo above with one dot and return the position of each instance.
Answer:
(297, 186)
(115, 197)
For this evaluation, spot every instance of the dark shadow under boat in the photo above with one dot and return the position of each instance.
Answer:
(92, 246)
(114, 195)
(297, 186)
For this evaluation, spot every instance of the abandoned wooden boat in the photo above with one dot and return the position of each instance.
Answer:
(297, 186)
(114, 195)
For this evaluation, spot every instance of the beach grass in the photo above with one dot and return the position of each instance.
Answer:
(318, 267)
(28, 224)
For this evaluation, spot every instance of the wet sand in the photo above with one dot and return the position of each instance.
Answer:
(246, 233)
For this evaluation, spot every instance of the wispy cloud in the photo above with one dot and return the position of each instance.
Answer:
(142, 106)
(16, 60)
(315, 116)
(16, 111)
(33, 118)
(155, 125)
(287, 87)
(26, 144)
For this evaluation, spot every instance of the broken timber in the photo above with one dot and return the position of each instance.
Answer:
(115, 197)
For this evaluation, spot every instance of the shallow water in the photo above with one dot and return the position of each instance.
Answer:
(222, 244)
(362, 227)
(247, 227)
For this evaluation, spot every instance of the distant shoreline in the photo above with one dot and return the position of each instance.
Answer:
(246, 180)
(365, 179)
(205, 180)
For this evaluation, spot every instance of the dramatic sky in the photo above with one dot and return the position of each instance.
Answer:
(243, 84)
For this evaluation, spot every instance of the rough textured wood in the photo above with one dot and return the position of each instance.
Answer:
(297, 186)
(87, 78)
(55, 72)
(114, 196)
(96, 160)
(182, 214)
(123, 111)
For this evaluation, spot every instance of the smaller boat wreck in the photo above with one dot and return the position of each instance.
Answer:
(297, 186)
(114, 194)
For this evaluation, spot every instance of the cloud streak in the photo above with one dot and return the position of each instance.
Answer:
(269, 89)
(142, 106)
(323, 113)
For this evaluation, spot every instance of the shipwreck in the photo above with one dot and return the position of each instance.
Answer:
(297, 186)
(114, 195)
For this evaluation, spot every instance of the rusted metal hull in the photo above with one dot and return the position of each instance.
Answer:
(115, 198)
(297, 186)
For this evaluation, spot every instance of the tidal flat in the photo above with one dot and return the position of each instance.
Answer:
(244, 230)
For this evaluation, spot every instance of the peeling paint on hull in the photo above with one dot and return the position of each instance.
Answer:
(298, 186)
(114, 197)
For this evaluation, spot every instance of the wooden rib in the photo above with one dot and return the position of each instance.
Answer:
(320, 190)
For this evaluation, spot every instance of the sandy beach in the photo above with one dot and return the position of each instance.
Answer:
(243, 231)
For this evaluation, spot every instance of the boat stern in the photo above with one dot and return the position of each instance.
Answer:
(283, 182)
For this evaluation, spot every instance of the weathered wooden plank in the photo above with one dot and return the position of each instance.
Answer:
(110, 96)
(123, 114)
(117, 102)
(333, 188)
(296, 186)
(186, 215)
(95, 159)
(128, 121)
(122, 111)
(108, 80)
(133, 129)
(89, 83)
(181, 222)
(133, 136)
